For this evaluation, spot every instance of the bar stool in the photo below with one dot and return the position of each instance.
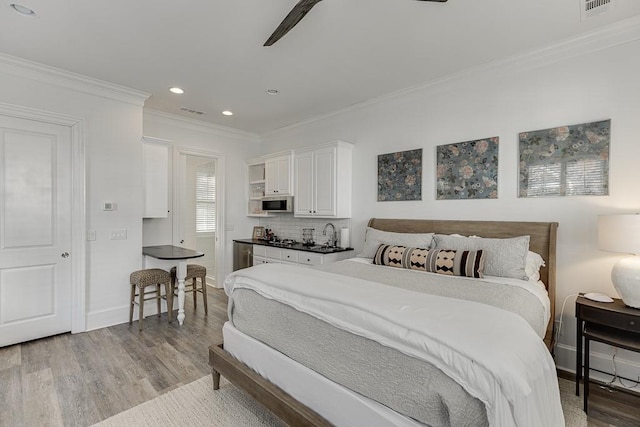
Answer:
(194, 272)
(141, 279)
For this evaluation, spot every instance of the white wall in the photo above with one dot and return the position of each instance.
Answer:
(237, 148)
(112, 117)
(112, 130)
(573, 83)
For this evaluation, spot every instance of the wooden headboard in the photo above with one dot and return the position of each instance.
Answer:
(543, 241)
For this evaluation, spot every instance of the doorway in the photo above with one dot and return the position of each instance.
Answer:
(41, 255)
(198, 208)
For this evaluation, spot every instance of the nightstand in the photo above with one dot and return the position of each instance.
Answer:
(611, 323)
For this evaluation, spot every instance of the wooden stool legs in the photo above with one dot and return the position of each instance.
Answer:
(204, 294)
(141, 279)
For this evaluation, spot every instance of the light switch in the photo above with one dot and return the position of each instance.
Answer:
(91, 235)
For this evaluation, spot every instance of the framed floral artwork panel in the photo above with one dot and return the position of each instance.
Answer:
(467, 170)
(565, 161)
(400, 176)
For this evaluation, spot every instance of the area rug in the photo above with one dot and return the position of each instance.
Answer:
(196, 404)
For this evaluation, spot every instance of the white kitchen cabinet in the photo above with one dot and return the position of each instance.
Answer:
(278, 175)
(155, 165)
(267, 254)
(322, 181)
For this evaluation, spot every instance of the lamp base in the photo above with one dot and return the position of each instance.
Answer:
(625, 276)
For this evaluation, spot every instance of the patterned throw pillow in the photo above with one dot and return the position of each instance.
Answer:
(441, 261)
(503, 257)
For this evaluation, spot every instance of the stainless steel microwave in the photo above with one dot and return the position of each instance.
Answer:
(277, 204)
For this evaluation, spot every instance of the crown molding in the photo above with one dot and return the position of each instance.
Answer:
(78, 82)
(200, 126)
(609, 36)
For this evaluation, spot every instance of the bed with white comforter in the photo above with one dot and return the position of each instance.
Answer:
(484, 335)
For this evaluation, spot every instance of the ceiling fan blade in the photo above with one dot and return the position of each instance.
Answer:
(297, 13)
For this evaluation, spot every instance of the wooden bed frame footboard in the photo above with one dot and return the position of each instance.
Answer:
(288, 409)
(279, 402)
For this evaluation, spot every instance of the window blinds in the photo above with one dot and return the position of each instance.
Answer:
(571, 178)
(206, 198)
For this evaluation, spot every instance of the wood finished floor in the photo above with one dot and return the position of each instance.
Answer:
(78, 380)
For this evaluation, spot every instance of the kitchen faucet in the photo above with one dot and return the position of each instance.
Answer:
(334, 238)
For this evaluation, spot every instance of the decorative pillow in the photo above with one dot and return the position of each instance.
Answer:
(374, 238)
(454, 263)
(532, 265)
(503, 257)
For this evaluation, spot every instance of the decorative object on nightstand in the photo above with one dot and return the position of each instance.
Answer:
(595, 296)
(621, 233)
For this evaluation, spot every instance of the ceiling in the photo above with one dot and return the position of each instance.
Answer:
(342, 53)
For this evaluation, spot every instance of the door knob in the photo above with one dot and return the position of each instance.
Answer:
(65, 255)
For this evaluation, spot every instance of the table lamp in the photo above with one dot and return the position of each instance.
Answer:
(621, 233)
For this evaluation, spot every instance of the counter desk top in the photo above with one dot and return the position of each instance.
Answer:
(318, 249)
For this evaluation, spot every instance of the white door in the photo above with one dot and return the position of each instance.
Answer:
(284, 175)
(325, 181)
(271, 177)
(303, 201)
(35, 229)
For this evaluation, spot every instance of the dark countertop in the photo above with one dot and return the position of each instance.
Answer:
(170, 252)
(318, 249)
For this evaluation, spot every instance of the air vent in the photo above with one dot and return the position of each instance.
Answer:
(589, 8)
(191, 111)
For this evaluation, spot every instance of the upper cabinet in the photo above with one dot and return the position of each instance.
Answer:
(322, 179)
(278, 176)
(155, 162)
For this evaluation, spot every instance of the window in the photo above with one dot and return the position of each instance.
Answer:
(586, 177)
(544, 180)
(565, 161)
(572, 178)
(206, 198)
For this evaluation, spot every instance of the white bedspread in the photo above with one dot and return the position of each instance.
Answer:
(494, 354)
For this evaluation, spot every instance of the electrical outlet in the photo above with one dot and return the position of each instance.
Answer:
(119, 234)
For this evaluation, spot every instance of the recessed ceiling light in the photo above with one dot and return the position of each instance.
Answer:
(272, 91)
(227, 113)
(22, 10)
(176, 90)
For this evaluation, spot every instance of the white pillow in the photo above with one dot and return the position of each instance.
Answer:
(532, 265)
(503, 257)
(374, 238)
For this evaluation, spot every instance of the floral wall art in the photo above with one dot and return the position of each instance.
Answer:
(400, 176)
(467, 170)
(565, 161)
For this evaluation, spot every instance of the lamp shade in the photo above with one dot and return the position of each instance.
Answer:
(619, 233)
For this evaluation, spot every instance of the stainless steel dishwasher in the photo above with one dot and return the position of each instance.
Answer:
(242, 255)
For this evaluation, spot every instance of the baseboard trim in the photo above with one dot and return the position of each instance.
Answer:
(116, 316)
(571, 376)
(565, 358)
